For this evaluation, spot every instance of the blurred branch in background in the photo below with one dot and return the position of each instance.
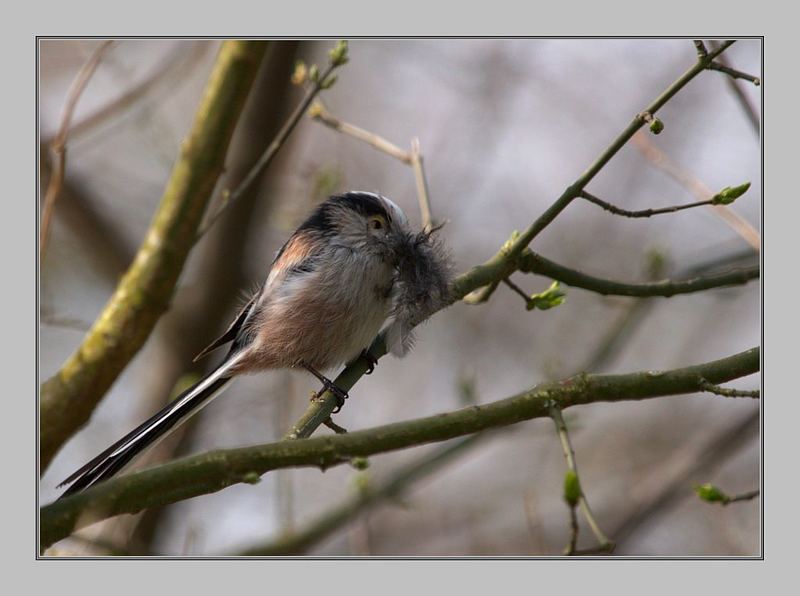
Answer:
(58, 146)
(750, 111)
(177, 65)
(337, 57)
(221, 255)
(69, 397)
(672, 481)
(693, 184)
(392, 487)
(214, 471)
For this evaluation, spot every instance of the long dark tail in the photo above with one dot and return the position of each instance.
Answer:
(121, 453)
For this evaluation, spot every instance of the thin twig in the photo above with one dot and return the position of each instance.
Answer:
(569, 455)
(573, 531)
(422, 185)
(175, 66)
(516, 289)
(725, 392)
(702, 52)
(748, 496)
(58, 147)
(750, 111)
(320, 113)
(641, 213)
(230, 196)
(736, 74)
(339, 430)
(660, 160)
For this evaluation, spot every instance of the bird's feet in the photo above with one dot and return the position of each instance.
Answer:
(372, 362)
(327, 385)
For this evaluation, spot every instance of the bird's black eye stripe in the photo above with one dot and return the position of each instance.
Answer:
(321, 220)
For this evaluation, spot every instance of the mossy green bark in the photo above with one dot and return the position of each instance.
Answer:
(144, 293)
(211, 472)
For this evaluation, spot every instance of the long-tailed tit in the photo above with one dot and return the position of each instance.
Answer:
(353, 263)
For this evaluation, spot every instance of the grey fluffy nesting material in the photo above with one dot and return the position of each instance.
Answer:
(424, 271)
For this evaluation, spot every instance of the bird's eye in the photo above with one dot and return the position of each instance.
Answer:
(376, 223)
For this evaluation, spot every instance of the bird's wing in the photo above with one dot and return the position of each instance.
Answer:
(297, 256)
(232, 331)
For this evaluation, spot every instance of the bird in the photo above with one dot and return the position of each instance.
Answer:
(331, 287)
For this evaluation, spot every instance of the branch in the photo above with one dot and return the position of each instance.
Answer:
(644, 212)
(58, 146)
(143, 294)
(725, 392)
(569, 454)
(535, 263)
(319, 113)
(211, 472)
(502, 264)
(660, 160)
(736, 74)
(487, 276)
(750, 110)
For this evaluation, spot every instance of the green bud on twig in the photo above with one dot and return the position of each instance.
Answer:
(338, 55)
(572, 488)
(329, 82)
(251, 478)
(359, 463)
(729, 194)
(313, 73)
(711, 494)
(551, 297)
(300, 73)
(656, 126)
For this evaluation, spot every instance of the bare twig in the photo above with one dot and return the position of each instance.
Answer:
(702, 52)
(422, 185)
(688, 180)
(569, 455)
(736, 74)
(516, 289)
(320, 113)
(668, 483)
(750, 111)
(748, 496)
(58, 147)
(642, 213)
(173, 67)
(725, 392)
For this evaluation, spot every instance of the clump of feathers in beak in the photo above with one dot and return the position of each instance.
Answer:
(424, 270)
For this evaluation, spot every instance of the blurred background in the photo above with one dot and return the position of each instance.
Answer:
(505, 126)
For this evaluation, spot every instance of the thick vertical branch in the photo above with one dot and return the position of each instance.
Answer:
(144, 293)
